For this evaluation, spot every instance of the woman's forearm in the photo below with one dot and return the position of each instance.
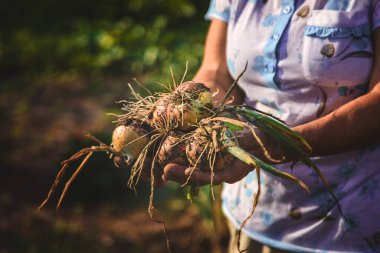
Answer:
(352, 126)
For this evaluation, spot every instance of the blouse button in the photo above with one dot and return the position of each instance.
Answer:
(304, 11)
(328, 50)
(286, 9)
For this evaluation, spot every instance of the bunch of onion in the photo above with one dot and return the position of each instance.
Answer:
(182, 126)
(212, 147)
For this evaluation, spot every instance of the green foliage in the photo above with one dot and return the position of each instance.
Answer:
(61, 64)
(101, 37)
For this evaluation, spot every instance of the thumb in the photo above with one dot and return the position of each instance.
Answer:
(174, 172)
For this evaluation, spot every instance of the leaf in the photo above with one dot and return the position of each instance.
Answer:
(232, 124)
(288, 144)
(233, 127)
(275, 123)
(249, 159)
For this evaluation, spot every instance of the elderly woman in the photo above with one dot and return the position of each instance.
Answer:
(316, 65)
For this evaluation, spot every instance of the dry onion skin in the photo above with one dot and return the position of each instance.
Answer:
(173, 150)
(183, 108)
(206, 150)
(129, 140)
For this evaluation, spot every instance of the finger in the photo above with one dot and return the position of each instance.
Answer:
(174, 172)
(230, 174)
(200, 177)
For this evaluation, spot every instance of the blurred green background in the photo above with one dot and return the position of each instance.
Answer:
(63, 66)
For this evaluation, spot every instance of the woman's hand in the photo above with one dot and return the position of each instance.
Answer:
(265, 149)
(233, 173)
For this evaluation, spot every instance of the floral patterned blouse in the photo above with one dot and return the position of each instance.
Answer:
(305, 59)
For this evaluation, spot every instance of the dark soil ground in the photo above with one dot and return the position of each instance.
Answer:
(42, 124)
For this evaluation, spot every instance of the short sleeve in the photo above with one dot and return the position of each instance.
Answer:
(219, 9)
(375, 14)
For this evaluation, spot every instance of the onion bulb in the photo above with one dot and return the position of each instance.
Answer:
(184, 107)
(128, 141)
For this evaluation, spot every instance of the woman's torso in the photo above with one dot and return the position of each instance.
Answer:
(306, 59)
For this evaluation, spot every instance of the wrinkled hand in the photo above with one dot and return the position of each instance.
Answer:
(231, 174)
(273, 154)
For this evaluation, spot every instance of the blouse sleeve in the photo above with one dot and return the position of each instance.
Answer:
(219, 9)
(375, 14)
